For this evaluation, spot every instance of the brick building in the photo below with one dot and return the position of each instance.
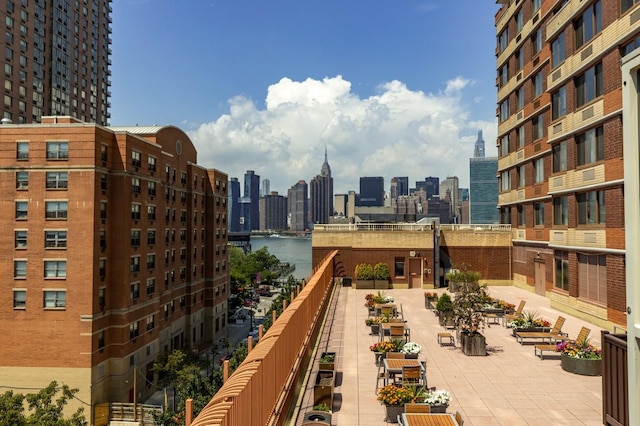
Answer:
(560, 148)
(118, 242)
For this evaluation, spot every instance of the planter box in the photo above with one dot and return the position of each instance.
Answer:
(323, 388)
(381, 284)
(411, 356)
(475, 345)
(442, 408)
(392, 412)
(445, 319)
(366, 284)
(375, 329)
(331, 366)
(585, 367)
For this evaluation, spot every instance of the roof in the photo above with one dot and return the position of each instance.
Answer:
(138, 130)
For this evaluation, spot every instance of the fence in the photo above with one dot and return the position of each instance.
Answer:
(615, 379)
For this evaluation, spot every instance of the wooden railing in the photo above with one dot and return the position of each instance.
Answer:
(125, 412)
(615, 379)
(262, 388)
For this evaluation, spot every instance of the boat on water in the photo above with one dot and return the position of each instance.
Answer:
(274, 236)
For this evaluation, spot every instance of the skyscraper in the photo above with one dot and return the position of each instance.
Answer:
(322, 194)
(478, 149)
(265, 189)
(234, 205)
(371, 191)
(298, 206)
(252, 196)
(399, 187)
(56, 60)
(273, 212)
(449, 187)
(483, 191)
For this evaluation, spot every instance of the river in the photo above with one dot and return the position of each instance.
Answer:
(295, 250)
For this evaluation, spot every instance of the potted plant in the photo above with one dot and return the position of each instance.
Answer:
(370, 303)
(580, 357)
(320, 413)
(364, 276)
(438, 400)
(381, 275)
(394, 397)
(429, 299)
(374, 323)
(469, 319)
(411, 350)
(529, 321)
(444, 309)
(323, 388)
(459, 279)
(380, 349)
(327, 361)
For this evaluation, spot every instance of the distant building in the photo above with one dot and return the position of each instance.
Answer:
(483, 191)
(252, 195)
(234, 205)
(322, 194)
(340, 204)
(273, 212)
(265, 189)
(297, 198)
(449, 189)
(399, 187)
(478, 148)
(371, 191)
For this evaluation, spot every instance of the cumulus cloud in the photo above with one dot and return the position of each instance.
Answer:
(395, 132)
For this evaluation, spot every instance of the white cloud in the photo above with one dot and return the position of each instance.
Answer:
(397, 132)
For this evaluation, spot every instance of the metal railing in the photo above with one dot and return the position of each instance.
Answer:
(367, 226)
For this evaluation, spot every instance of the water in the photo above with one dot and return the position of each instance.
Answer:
(296, 251)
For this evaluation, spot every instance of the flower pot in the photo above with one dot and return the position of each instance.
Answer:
(411, 356)
(379, 357)
(375, 329)
(323, 388)
(585, 367)
(318, 417)
(393, 411)
(473, 345)
(446, 319)
(440, 408)
(327, 365)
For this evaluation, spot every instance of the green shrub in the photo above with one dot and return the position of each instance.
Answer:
(444, 304)
(364, 271)
(381, 271)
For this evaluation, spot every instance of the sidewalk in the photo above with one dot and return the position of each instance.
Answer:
(510, 386)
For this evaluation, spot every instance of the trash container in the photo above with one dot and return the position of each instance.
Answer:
(346, 281)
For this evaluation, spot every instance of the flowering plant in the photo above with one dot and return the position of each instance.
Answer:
(395, 395)
(502, 304)
(386, 346)
(380, 297)
(437, 397)
(528, 320)
(375, 320)
(582, 349)
(411, 348)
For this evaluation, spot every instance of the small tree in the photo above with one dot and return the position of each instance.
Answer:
(381, 271)
(364, 271)
(467, 309)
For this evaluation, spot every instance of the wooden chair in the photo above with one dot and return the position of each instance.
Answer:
(411, 375)
(516, 314)
(417, 408)
(459, 418)
(555, 331)
(397, 332)
(539, 350)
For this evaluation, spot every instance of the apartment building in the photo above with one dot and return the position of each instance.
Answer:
(560, 148)
(115, 251)
(56, 59)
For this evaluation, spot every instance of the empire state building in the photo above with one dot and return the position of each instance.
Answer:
(322, 194)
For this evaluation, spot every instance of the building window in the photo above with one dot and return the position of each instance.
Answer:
(101, 340)
(519, 55)
(519, 18)
(55, 299)
(135, 237)
(520, 132)
(183, 178)
(21, 209)
(151, 213)
(538, 126)
(592, 277)
(102, 268)
(134, 330)
(151, 236)
(22, 181)
(535, 5)
(560, 211)
(19, 299)
(590, 146)
(57, 150)
(538, 214)
(21, 239)
(57, 180)
(589, 85)
(20, 269)
(22, 150)
(521, 176)
(134, 291)
(55, 239)
(560, 157)
(151, 261)
(151, 161)
(135, 264)
(522, 219)
(589, 24)
(627, 4)
(520, 98)
(55, 268)
(505, 215)
(399, 267)
(104, 149)
(537, 84)
(562, 270)
(151, 285)
(151, 322)
(503, 39)
(538, 168)
(505, 181)
(559, 103)
(103, 239)
(151, 188)
(536, 42)
(504, 110)
(558, 51)
(135, 211)
(103, 210)
(591, 208)
(504, 74)
(55, 209)
(136, 159)
(103, 182)
(135, 185)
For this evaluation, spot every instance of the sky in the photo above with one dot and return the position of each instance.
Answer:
(387, 87)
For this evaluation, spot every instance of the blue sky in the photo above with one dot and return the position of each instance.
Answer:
(389, 87)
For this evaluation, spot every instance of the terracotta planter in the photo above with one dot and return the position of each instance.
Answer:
(475, 345)
(585, 367)
(393, 411)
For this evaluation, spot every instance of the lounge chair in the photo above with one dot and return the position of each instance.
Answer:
(516, 314)
(544, 335)
(540, 349)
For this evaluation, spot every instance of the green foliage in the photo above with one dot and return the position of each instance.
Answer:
(458, 276)
(444, 303)
(364, 271)
(467, 309)
(322, 407)
(43, 410)
(245, 267)
(381, 271)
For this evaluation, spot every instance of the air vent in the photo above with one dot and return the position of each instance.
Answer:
(536, 17)
(518, 38)
(519, 116)
(556, 75)
(536, 147)
(586, 52)
(536, 61)
(536, 104)
(519, 76)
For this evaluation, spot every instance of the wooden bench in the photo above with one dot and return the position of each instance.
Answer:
(539, 350)
(446, 339)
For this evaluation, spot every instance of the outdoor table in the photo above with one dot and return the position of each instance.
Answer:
(394, 366)
(379, 307)
(429, 419)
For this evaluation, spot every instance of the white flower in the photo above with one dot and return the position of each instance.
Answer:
(438, 397)
(388, 299)
(411, 348)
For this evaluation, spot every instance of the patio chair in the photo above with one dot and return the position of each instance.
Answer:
(516, 314)
(459, 418)
(397, 332)
(411, 375)
(417, 408)
(555, 331)
(540, 349)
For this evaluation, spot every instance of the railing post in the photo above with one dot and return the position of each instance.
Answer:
(260, 331)
(188, 411)
(284, 304)
(274, 316)
(225, 370)
(249, 343)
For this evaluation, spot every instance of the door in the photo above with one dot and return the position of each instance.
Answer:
(415, 272)
(539, 275)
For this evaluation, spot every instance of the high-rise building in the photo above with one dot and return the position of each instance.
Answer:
(251, 197)
(273, 212)
(298, 201)
(399, 187)
(431, 186)
(478, 148)
(322, 194)
(340, 204)
(115, 253)
(371, 191)
(560, 137)
(57, 60)
(483, 191)
(235, 211)
(265, 189)
(449, 190)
